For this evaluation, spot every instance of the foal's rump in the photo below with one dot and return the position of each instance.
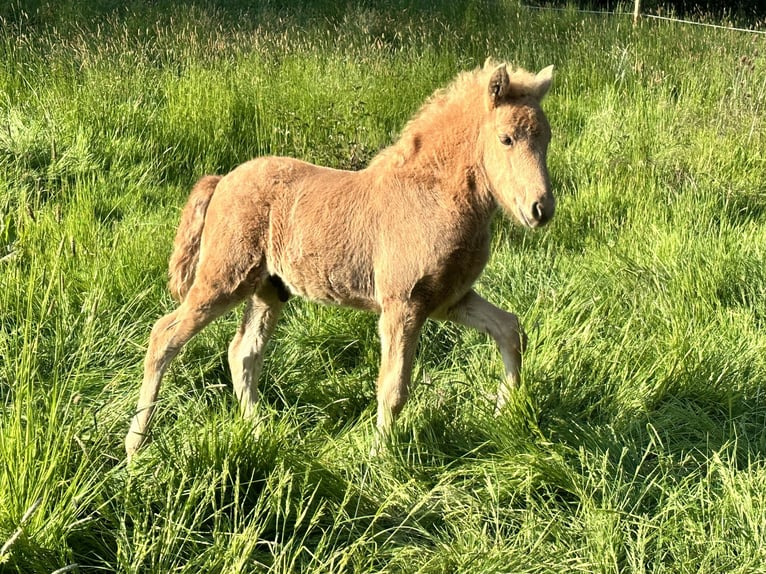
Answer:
(310, 226)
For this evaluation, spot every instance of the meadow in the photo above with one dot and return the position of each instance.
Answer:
(636, 442)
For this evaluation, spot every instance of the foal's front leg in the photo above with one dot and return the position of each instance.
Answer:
(399, 327)
(474, 311)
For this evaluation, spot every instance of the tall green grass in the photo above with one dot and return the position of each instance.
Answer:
(636, 442)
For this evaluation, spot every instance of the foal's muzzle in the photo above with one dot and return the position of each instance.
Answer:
(542, 212)
(539, 212)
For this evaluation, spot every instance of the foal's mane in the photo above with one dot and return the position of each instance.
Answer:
(454, 109)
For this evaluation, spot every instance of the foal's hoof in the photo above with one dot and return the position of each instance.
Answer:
(376, 449)
(504, 393)
(133, 443)
(380, 444)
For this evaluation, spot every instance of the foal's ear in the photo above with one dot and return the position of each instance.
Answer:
(542, 82)
(499, 86)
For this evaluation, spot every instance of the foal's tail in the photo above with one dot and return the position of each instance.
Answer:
(183, 261)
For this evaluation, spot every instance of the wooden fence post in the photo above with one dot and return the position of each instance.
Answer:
(636, 11)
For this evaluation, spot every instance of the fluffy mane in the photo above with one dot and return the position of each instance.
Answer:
(452, 112)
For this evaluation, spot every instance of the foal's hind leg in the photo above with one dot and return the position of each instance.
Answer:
(474, 311)
(246, 350)
(168, 336)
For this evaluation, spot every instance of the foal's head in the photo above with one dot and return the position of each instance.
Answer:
(515, 139)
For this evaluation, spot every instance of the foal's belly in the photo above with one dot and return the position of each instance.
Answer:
(321, 238)
(346, 281)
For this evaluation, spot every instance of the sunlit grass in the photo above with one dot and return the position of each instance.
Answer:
(635, 443)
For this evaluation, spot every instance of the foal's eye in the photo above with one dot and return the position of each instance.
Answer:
(506, 140)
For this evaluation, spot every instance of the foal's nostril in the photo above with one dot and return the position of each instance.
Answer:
(537, 211)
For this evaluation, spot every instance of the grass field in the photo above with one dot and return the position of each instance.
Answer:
(636, 443)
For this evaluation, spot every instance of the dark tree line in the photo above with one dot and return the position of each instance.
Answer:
(751, 12)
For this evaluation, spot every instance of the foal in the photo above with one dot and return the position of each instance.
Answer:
(405, 238)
